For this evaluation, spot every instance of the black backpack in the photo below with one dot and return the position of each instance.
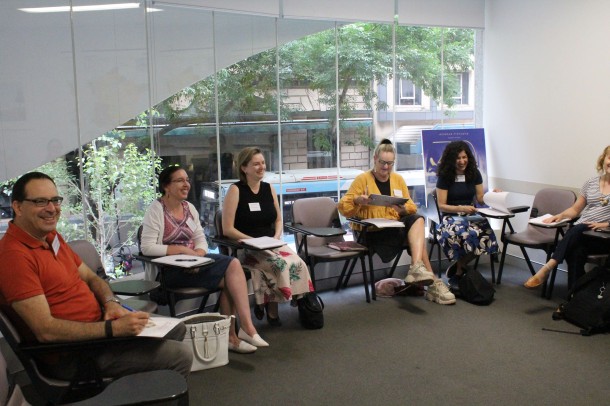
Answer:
(475, 289)
(588, 304)
(310, 311)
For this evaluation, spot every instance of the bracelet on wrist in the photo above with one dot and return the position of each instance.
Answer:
(108, 328)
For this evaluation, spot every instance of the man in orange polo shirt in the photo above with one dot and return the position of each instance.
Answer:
(51, 295)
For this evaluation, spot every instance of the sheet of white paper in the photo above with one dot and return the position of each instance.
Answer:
(263, 242)
(539, 220)
(159, 326)
(384, 223)
(497, 201)
(182, 260)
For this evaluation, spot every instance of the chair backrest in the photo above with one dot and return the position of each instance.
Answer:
(433, 200)
(316, 212)
(552, 201)
(87, 252)
(139, 238)
(219, 232)
(49, 388)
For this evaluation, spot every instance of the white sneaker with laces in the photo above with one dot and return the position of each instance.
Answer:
(439, 292)
(419, 275)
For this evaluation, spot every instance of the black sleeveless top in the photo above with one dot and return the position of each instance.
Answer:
(255, 223)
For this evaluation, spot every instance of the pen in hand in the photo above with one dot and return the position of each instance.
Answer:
(124, 306)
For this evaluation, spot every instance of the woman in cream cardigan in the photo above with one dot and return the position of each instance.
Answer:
(389, 241)
(171, 226)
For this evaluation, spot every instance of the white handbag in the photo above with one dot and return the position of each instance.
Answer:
(208, 336)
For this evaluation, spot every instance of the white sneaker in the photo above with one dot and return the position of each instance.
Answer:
(419, 275)
(439, 292)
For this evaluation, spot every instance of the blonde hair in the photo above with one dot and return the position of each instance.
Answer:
(384, 145)
(243, 158)
(600, 160)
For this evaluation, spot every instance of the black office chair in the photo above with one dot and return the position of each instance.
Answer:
(86, 382)
(87, 252)
(170, 295)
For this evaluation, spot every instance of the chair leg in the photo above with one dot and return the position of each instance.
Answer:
(394, 265)
(366, 283)
(551, 283)
(204, 301)
(493, 270)
(171, 302)
(349, 273)
(343, 271)
(476, 262)
(501, 267)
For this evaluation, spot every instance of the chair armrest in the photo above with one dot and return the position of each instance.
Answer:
(554, 225)
(296, 228)
(76, 346)
(133, 287)
(518, 209)
(315, 231)
(228, 242)
(357, 221)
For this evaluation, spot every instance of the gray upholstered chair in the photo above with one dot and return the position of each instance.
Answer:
(551, 201)
(316, 224)
(87, 252)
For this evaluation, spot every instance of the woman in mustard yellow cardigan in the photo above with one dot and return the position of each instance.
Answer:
(389, 241)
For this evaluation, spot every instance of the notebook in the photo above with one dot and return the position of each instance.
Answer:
(383, 200)
(182, 260)
(346, 246)
(263, 243)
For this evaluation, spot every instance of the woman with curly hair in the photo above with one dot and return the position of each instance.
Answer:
(464, 236)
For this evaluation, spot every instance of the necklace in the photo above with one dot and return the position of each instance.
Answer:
(604, 200)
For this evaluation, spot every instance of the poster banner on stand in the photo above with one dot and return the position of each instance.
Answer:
(433, 145)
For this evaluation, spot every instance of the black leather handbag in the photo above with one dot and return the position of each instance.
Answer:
(310, 311)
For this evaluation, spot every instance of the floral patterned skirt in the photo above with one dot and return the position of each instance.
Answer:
(277, 274)
(460, 236)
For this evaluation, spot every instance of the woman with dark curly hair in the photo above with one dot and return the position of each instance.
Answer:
(458, 186)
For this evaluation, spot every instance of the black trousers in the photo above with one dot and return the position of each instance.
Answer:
(574, 248)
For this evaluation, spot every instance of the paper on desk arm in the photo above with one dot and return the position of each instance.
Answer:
(159, 326)
(540, 220)
(499, 202)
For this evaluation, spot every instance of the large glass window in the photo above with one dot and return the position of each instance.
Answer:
(315, 96)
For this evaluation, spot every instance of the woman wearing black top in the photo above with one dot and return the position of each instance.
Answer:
(251, 210)
(459, 185)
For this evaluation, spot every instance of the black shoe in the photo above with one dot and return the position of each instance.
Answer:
(259, 312)
(451, 270)
(274, 322)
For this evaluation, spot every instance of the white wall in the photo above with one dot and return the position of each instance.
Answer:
(546, 91)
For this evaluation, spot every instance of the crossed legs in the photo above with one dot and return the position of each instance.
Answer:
(234, 299)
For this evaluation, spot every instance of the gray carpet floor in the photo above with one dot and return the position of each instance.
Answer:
(408, 350)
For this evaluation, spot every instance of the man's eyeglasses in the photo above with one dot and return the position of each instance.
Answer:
(180, 180)
(384, 163)
(44, 202)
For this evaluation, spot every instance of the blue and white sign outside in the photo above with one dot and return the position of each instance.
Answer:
(433, 145)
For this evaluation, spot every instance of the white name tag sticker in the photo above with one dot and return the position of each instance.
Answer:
(397, 193)
(255, 206)
(191, 223)
(55, 245)
(460, 178)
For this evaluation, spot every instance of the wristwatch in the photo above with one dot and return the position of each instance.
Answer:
(113, 299)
